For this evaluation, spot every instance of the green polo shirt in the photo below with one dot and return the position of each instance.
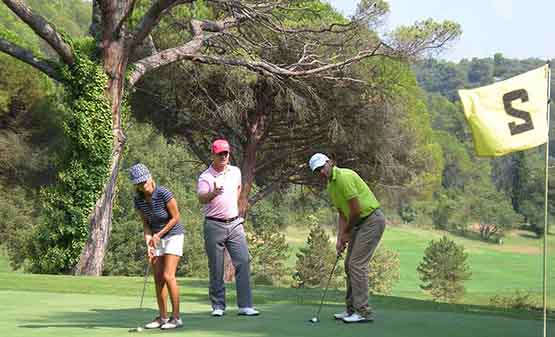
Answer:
(344, 185)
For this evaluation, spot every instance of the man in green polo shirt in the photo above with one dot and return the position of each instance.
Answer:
(361, 224)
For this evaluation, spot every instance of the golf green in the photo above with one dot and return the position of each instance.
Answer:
(45, 314)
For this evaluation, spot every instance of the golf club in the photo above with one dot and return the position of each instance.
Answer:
(316, 318)
(139, 328)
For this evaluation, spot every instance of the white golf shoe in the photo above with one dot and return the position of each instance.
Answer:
(172, 324)
(341, 315)
(218, 312)
(156, 323)
(248, 312)
(356, 318)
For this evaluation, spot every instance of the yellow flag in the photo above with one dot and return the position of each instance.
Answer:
(509, 115)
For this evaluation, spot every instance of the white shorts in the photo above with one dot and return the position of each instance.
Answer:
(170, 246)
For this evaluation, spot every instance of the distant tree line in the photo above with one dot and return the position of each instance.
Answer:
(493, 194)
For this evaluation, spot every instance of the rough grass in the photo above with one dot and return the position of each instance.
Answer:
(496, 269)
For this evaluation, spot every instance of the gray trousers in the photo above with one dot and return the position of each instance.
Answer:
(364, 240)
(217, 236)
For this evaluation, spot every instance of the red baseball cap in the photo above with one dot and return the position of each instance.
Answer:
(220, 145)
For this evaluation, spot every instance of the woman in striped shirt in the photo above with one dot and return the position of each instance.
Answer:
(163, 233)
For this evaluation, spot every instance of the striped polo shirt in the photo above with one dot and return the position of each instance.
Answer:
(157, 212)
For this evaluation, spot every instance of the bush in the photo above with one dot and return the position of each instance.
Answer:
(384, 271)
(17, 224)
(443, 270)
(407, 214)
(126, 254)
(315, 260)
(269, 251)
(520, 300)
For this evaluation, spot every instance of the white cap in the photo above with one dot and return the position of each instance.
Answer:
(317, 160)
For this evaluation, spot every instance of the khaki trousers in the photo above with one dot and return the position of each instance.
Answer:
(363, 242)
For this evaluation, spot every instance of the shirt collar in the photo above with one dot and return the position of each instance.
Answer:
(333, 175)
(216, 173)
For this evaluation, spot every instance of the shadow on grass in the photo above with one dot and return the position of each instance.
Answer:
(289, 320)
(312, 296)
(285, 312)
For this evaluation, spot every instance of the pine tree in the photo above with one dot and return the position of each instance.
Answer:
(443, 270)
(315, 260)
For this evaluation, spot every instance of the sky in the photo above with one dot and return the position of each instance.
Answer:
(517, 29)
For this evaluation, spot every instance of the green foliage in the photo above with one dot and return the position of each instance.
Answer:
(126, 254)
(443, 270)
(315, 259)
(18, 81)
(480, 72)
(423, 30)
(384, 271)
(443, 77)
(491, 210)
(17, 219)
(528, 189)
(319, 12)
(267, 246)
(519, 300)
(269, 251)
(83, 167)
(407, 214)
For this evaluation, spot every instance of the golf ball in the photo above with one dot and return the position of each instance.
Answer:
(139, 329)
(314, 320)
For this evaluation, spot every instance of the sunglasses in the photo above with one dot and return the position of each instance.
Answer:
(223, 154)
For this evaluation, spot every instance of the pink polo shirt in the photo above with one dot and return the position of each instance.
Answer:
(225, 205)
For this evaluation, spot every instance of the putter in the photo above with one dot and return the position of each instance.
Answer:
(139, 328)
(316, 318)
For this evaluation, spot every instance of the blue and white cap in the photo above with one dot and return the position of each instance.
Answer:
(138, 173)
(317, 160)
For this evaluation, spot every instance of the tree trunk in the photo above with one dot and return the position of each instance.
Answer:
(247, 174)
(92, 256)
(115, 63)
(248, 171)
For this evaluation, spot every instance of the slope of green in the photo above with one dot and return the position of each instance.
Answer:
(496, 269)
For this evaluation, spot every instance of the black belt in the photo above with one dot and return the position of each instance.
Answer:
(366, 217)
(222, 220)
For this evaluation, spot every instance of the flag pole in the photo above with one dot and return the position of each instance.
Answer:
(545, 224)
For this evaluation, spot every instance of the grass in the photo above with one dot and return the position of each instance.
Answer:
(496, 269)
(60, 306)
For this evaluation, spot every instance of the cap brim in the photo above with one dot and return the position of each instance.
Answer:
(140, 180)
(317, 167)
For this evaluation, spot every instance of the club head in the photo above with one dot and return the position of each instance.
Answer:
(314, 320)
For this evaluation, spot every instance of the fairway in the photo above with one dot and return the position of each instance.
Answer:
(66, 314)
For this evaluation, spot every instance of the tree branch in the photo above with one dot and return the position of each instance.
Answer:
(128, 9)
(43, 29)
(152, 17)
(165, 57)
(27, 56)
(268, 189)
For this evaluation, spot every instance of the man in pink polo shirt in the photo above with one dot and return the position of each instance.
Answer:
(218, 190)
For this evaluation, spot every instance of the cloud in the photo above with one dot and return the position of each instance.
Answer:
(503, 8)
